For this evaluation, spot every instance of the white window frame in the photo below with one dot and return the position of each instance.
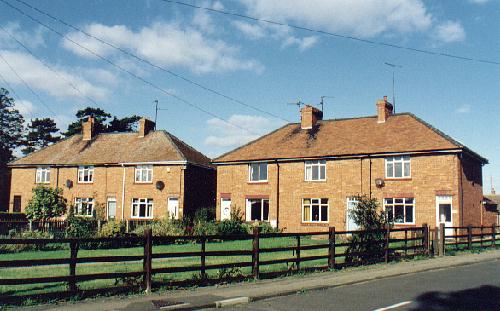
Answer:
(320, 210)
(393, 204)
(42, 175)
(79, 204)
(148, 201)
(248, 215)
(139, 174)
(250, 170)
(310, 164)
(405, 159)
(85, 171)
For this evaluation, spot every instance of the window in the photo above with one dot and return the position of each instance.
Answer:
(43, 175)
(16, 206)
(315, 210)
(85, 174)
(84, 206)
(142, 208)
(257, 209)
(144, 173)
(257, 172)
(316, 170)
(398, 167)
(400, 210)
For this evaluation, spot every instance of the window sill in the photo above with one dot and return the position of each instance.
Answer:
(258, 182)
(398, 179)
(141, 218)
(322, 180)
(42, 183)
(84, 182)
(404, 224)
(315, 224)
(143, 182)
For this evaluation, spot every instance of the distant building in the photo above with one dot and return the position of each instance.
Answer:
(305, 176)
(141, 175)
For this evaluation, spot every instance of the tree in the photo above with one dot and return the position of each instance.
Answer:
(127, 124)
(40, 135)
(367, 245)
(11, 127)
(100, 119)
(46, 203)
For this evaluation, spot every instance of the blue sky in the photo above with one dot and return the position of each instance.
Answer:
(261, 65)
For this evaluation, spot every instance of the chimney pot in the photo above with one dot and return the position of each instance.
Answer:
(88, 128)
(145, 126)
(384, 110)
(309, 116)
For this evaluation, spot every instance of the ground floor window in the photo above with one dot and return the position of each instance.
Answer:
(314, 210)
(84, 207)
(400, 210)
(257, 209)
(142, 208)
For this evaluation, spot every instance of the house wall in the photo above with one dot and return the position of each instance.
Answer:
(431, 175)
(107, 183)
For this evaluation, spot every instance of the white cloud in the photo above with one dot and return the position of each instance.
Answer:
(226, 135)
(479, 1)
(450, 31)
(302, 43)
(367, 18)
(31, 39)
(25, 107)
(166, 44)
(41, 78)
(464, 109)
(252, 31)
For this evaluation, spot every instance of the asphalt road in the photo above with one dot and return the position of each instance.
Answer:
(472, 287)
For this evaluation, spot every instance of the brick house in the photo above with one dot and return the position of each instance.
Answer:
(139, 175)
(304, 176)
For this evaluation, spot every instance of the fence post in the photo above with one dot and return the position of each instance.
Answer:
(493, 235)
(441, 239)
(127, 226)
(99, 225)
(73, 245)
(148, 250)
(331, 248)
(406, 242)
(31, 225)
(387, 241)
(469, 237)
(425, 238)
(255, 253)
(481, 236)
(297, 264)
(203, 258)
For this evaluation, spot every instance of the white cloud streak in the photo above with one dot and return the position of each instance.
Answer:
(450, 31)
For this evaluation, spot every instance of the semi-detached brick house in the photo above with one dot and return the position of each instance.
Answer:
(304, 176)
(140, 175)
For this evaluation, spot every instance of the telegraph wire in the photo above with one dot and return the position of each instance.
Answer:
(328, 33)
(10, 88)
(151, 84)
(149, 63)
(49, 67)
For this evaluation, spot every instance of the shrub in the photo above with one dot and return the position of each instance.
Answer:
(79, 227)
(164, 227)
(46, 203)
(264, 227)
(205, 228)
(112, 229)
(228, 227)
(16, 248)
(206, 214)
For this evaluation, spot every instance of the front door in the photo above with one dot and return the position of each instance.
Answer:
(350, 224)
(444, 212)
(225, 209)
(111, 208)
(173, 208)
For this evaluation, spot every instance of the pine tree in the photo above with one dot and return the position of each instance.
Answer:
(100, 119)
(40, 135)
(11, 127)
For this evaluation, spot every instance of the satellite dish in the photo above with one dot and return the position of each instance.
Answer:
(160, 185)
(69, 184)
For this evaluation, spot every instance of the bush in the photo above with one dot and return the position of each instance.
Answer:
(46, 203)
(16, 248)
(206, 214)
(228, 227)
(164, 227)
(264, 227)
(205, 228)
(79, 227)
(112, 229)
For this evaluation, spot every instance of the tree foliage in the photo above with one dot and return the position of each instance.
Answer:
(40, 134)
(46, 203)
(11, 127)
(103, 122)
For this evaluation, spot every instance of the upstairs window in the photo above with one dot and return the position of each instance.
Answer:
(142, 208)
(257, 172)
(398, 167)
(315, 170)
(85, 174)
(144, 173)
(315, 210)
(84, 207)
(400, 210)
(43, 175)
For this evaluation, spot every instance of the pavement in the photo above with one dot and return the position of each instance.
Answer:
(241, 293)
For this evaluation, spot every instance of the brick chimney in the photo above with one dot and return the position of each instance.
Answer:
(309, 115)
(384, 110)
(88, 128)
(145, 126)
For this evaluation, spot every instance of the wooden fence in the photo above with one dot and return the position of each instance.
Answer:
(468, 237)
(341, 249)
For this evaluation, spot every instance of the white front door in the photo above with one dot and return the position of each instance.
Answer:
(350, 224)
(173, 208)
(225, 209)
(444, 213)
(111, 208)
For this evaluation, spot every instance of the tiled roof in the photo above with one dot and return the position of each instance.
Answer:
(343, 137)
(114, 148)
(493, 198)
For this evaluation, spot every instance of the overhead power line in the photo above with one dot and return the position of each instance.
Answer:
(149, 83)
(149, 63)
(331, 34)
(73, 86)
(27, 85)
(10, 88)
